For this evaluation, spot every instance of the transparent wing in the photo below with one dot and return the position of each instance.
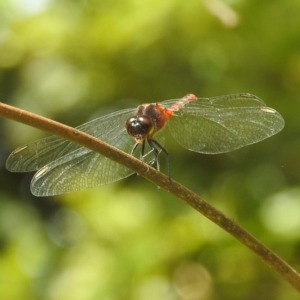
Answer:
(66, 167)
(37, 154)
(222, 124)
(80, 170)
(74, 172)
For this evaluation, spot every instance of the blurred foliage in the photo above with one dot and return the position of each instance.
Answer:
(75, 60)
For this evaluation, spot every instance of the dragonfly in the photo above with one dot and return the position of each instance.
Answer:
(205, 125)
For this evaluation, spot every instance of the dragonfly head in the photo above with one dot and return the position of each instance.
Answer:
(139, 127)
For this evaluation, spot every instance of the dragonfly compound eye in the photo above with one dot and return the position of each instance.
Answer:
(139, 127)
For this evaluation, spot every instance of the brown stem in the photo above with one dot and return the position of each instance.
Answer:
(69, 133)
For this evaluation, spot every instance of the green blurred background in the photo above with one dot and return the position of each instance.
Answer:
(76, 60)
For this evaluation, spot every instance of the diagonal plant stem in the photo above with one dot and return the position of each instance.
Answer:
(151, 174)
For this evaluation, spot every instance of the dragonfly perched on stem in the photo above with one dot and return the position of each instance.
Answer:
(206, 125)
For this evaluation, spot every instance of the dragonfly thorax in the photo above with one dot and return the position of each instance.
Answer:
(140, 127)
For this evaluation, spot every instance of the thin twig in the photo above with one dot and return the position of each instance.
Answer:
(69, 133)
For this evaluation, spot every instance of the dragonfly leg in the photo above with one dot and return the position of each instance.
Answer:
(143, 151)
(155, 152)
(152, 143)
(141, 154)
(134, 148)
